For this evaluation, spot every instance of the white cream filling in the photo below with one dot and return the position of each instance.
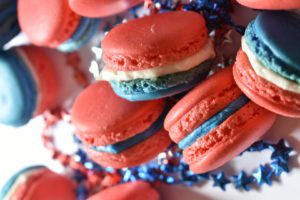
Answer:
(207, 52)
(268, 74)
(22, 178)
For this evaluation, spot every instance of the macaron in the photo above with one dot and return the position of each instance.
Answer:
(153, 57)
(53, 24)
(103, 8)
(267, 67)
(128, 191)
(28, 84)
(118, 133)
(8, 21)
(215, 122)
(271, 4)
(36, 183)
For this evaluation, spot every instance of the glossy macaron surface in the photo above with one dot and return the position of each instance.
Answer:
(154, 40)
(210, 122)
(51, 23)
(128, 191)
(103, 8)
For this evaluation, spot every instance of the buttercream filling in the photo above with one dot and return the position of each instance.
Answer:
(206, 53)
(262, 71)
(136, 139)
(213, 122)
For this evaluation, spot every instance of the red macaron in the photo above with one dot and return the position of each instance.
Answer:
(116, 132)
(36, 183)
(103, 8)
(128, 191)
(271, 4)
(215, 122)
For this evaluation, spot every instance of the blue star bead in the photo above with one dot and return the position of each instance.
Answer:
(278, 167)
(258, 146)
(220, 180)
(280, 151)
(242, 181)
(263, 175)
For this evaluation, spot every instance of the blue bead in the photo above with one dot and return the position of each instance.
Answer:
(263, 175)
(242, 181)
(220, 180)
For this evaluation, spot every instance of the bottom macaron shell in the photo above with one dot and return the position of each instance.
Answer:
(128, 191)
(262, 92)
(136, 155)
(45, 74)
(228, 140)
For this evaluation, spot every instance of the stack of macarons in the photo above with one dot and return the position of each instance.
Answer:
(116, 132)
(8, 21)
(215, 122)
(137, 190)
(267, 67)
(28, 84)
(38, 183)
(103, 8)
(53, 24)
(152, 57)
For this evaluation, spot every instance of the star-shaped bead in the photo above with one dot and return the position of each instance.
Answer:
(278, 167)
(257, 146)
(263, 175)
(220, 180)
(242, 181)
(280, 151)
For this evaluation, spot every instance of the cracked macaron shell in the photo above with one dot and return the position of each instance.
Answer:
(154, 40)
(102, 118)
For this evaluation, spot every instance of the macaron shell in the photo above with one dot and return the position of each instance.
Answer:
(271, 4)
(103, 118)
(262, 92)
(46, 76)
(141, 153)
(128, 191)
(229, 139)
(51, 186)
(49, 23)
(103, 8)
(201, 103)
(154, 40)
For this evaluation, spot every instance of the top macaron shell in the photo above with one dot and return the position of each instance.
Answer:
(271, 4)
(135, 45)
(103, 8)
(105, 119)
(128, 191)
(49, 23)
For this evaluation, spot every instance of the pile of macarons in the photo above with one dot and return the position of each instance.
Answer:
(156, 88)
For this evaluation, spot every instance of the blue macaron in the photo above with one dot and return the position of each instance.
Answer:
(18, 90)
(274, 38)
(8, 21)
